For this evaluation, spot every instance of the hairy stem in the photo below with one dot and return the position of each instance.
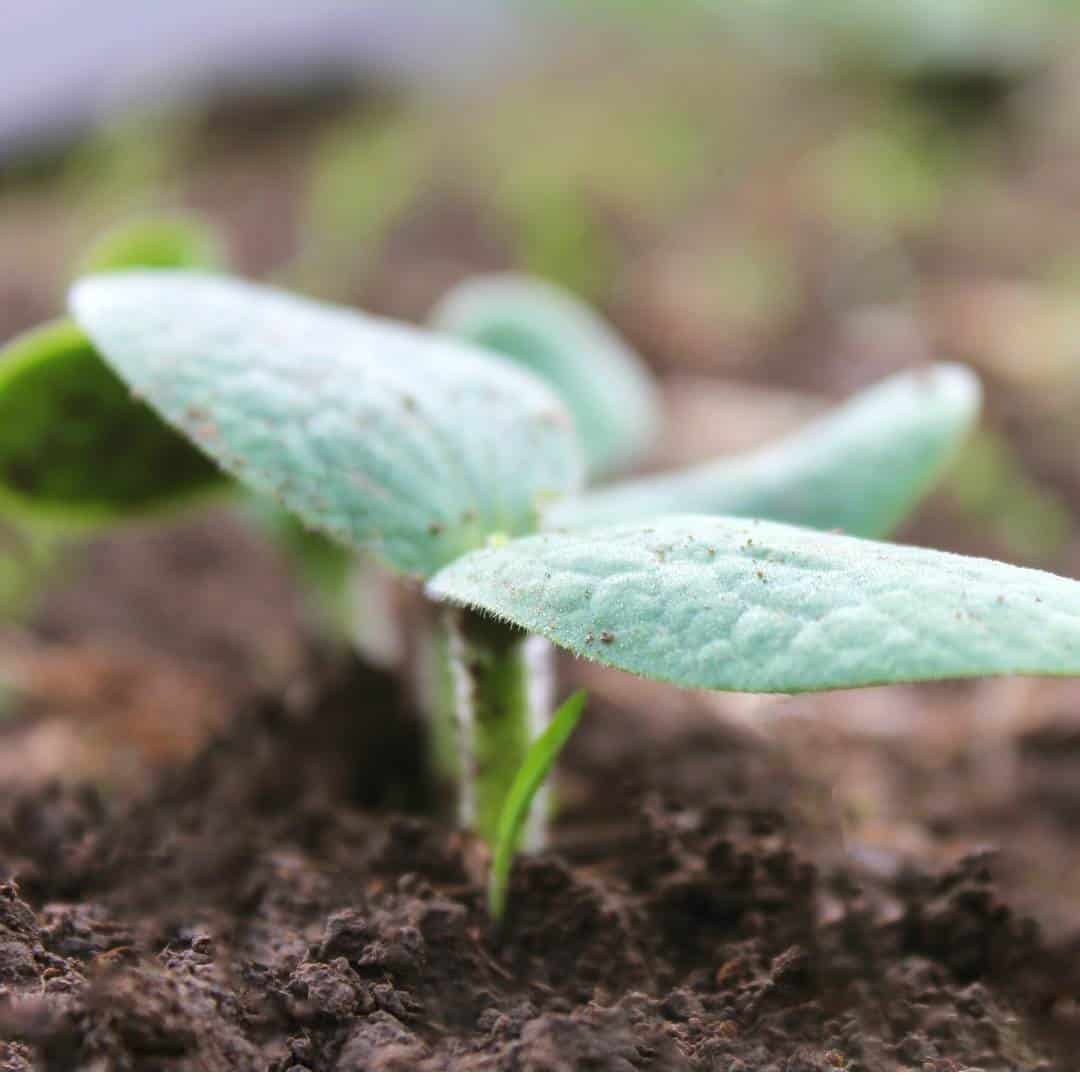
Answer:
(484, 689)
(540, 682)
(501, 695)
(432, 681)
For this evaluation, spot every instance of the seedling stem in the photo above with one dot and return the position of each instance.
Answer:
(501, 685)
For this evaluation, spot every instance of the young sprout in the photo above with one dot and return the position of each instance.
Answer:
(392, 440)
(860, 468)
(443, 450)
(537, 763)
(441, 460)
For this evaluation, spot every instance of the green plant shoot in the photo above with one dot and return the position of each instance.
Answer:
(411, 446)
(538, 762)
(440, 459)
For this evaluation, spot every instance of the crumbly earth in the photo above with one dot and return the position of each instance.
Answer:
(259, 907)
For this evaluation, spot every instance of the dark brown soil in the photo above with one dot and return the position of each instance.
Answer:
(270, 904)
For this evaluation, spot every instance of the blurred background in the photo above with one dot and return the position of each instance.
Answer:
(776, 202)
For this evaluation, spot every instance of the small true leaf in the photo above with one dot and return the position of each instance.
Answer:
(384, 436)
(603, 383)
(515, 812)
(734, 604)
(75, 445)
(859, 468)
(155, 243)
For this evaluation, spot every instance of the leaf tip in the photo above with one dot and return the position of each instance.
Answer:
(956, 384)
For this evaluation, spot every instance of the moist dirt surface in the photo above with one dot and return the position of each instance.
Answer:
(248, 911)
(285, 897)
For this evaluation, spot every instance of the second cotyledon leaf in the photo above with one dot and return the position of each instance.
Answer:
(735, 604)
(604, 384)
(860, 468)
(389, 438)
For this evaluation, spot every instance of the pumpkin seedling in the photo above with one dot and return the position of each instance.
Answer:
(860, 468)
(445, 462)
(495, 681)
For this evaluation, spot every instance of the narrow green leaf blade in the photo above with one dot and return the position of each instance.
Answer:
(528, 781)
(861, 468)
(547, 330)
(75, 446)
(735, 604)
(385, 437)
